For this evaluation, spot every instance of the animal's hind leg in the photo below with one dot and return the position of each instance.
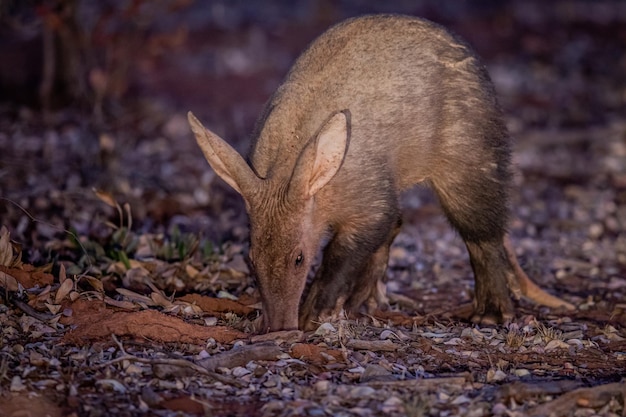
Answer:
(493, 275)
(474, 198)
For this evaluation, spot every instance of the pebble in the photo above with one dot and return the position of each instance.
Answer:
(322, 386)
(373, 371)
(495, 375)
(324, 329)
(361, 392)
(16, 384)
(240, 371)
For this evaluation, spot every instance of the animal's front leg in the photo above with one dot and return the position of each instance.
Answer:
(352, 267)
(370, 291)
(334, 281)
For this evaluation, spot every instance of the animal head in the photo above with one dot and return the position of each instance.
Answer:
(286, 225)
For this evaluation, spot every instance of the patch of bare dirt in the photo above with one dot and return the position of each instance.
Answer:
(217, 305)
(29, 405)
(92, 322)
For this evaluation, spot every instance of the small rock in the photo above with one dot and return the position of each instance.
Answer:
(596, 230)
(16, 384)
(324, 329)
(315, 412)
(375, 373)
(461, 399)
(322, 386)
(498, 409)
(260, 371)
(226, 295)
(361, 412)
(203, 354)
(273, 406)
(36, 358)
(387, 334)
(112, 384)
(576, 342)
(271, 382)
(150, 397)
(357, 370)
(361, 392)
(240, 371)
(556, 344)
(393, 405)
(210, 321)
(495, 375)
(133, 369)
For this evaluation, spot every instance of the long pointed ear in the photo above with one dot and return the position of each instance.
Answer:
(225, 160)
(323, 155)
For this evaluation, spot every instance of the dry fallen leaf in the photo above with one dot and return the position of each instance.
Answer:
(135, 297)
(107, 198)
(94, 282)
(66, 287)
(6, 249)
(62, 274)
(160, 300)
(126, 305)
(8, 282)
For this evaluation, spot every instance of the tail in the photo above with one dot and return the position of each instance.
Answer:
(523, 286)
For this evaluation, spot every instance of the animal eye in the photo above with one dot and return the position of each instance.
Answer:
(299, 259)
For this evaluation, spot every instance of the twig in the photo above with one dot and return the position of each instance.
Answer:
(404, 301)
(373, 345)
(522, 391)
(119, 344)
(241, 356)
(422, 383)
(183, 363)
(32, 312)
(594, 397)
(279, 337)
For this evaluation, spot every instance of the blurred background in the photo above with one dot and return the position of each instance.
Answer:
(95, 94)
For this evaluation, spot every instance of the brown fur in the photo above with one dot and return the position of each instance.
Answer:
(374, 106)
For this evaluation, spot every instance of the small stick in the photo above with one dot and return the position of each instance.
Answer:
(593, 397)
(373, 345)
(183, 363)
(421, 383)
(241, 356)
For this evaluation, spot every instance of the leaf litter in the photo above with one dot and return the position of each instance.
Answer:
(126, 316)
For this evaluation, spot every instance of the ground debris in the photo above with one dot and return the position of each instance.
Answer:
(522, 391)
(426, 384)
(137, 299)
(239, 356)
(373, 345)
(594, 398)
